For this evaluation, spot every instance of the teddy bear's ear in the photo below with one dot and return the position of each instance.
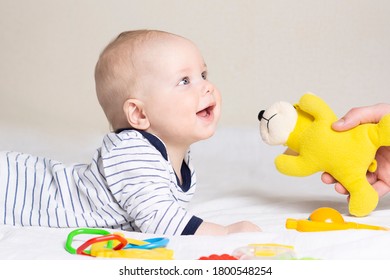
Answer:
(277, 122)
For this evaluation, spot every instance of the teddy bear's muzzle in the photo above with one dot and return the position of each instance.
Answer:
(260, 115)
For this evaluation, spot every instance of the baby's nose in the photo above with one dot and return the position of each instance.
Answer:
(208, 87)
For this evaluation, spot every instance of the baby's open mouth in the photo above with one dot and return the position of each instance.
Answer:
(206, 111)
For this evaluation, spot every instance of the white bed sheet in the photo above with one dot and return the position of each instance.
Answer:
(237, 181)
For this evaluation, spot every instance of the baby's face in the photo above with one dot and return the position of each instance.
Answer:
(182, 105)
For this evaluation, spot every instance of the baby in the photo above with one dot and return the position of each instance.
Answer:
(153, 88)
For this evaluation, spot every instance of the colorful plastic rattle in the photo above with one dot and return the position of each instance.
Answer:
(326, 219)
(117, 246)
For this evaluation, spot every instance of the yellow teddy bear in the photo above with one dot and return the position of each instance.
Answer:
(306, 129)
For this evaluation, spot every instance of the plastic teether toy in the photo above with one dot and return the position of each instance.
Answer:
(325, 219)
(266, 251)
(115, 245)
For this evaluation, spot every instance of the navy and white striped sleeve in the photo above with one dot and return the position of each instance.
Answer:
(140, 179)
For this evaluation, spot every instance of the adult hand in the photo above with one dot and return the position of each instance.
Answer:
(380, 179)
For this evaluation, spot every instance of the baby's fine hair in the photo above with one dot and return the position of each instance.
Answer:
(115, 74)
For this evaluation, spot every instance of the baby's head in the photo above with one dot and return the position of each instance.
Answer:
(116, 75)
(157, 81)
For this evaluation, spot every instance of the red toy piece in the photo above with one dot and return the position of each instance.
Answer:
(219, 257)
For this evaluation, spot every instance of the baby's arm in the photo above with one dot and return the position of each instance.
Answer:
(207, 228)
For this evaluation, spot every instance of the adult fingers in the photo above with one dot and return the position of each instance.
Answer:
(360, 115)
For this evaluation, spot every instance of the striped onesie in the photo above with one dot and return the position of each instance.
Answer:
(130, 185)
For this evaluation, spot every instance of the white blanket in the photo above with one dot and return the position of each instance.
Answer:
(237, 181)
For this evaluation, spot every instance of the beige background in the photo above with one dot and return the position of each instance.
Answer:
(257, 51)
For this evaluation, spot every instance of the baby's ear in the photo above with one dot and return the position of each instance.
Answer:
(135, 114)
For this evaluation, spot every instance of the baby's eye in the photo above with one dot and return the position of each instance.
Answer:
(204, 75)
(184, 81)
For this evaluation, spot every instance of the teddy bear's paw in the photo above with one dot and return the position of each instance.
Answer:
(363, 203)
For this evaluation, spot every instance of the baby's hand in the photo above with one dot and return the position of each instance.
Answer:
(213, 229)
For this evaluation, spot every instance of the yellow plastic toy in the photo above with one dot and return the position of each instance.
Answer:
(100, 249)
(305, 128)
(326, 219)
